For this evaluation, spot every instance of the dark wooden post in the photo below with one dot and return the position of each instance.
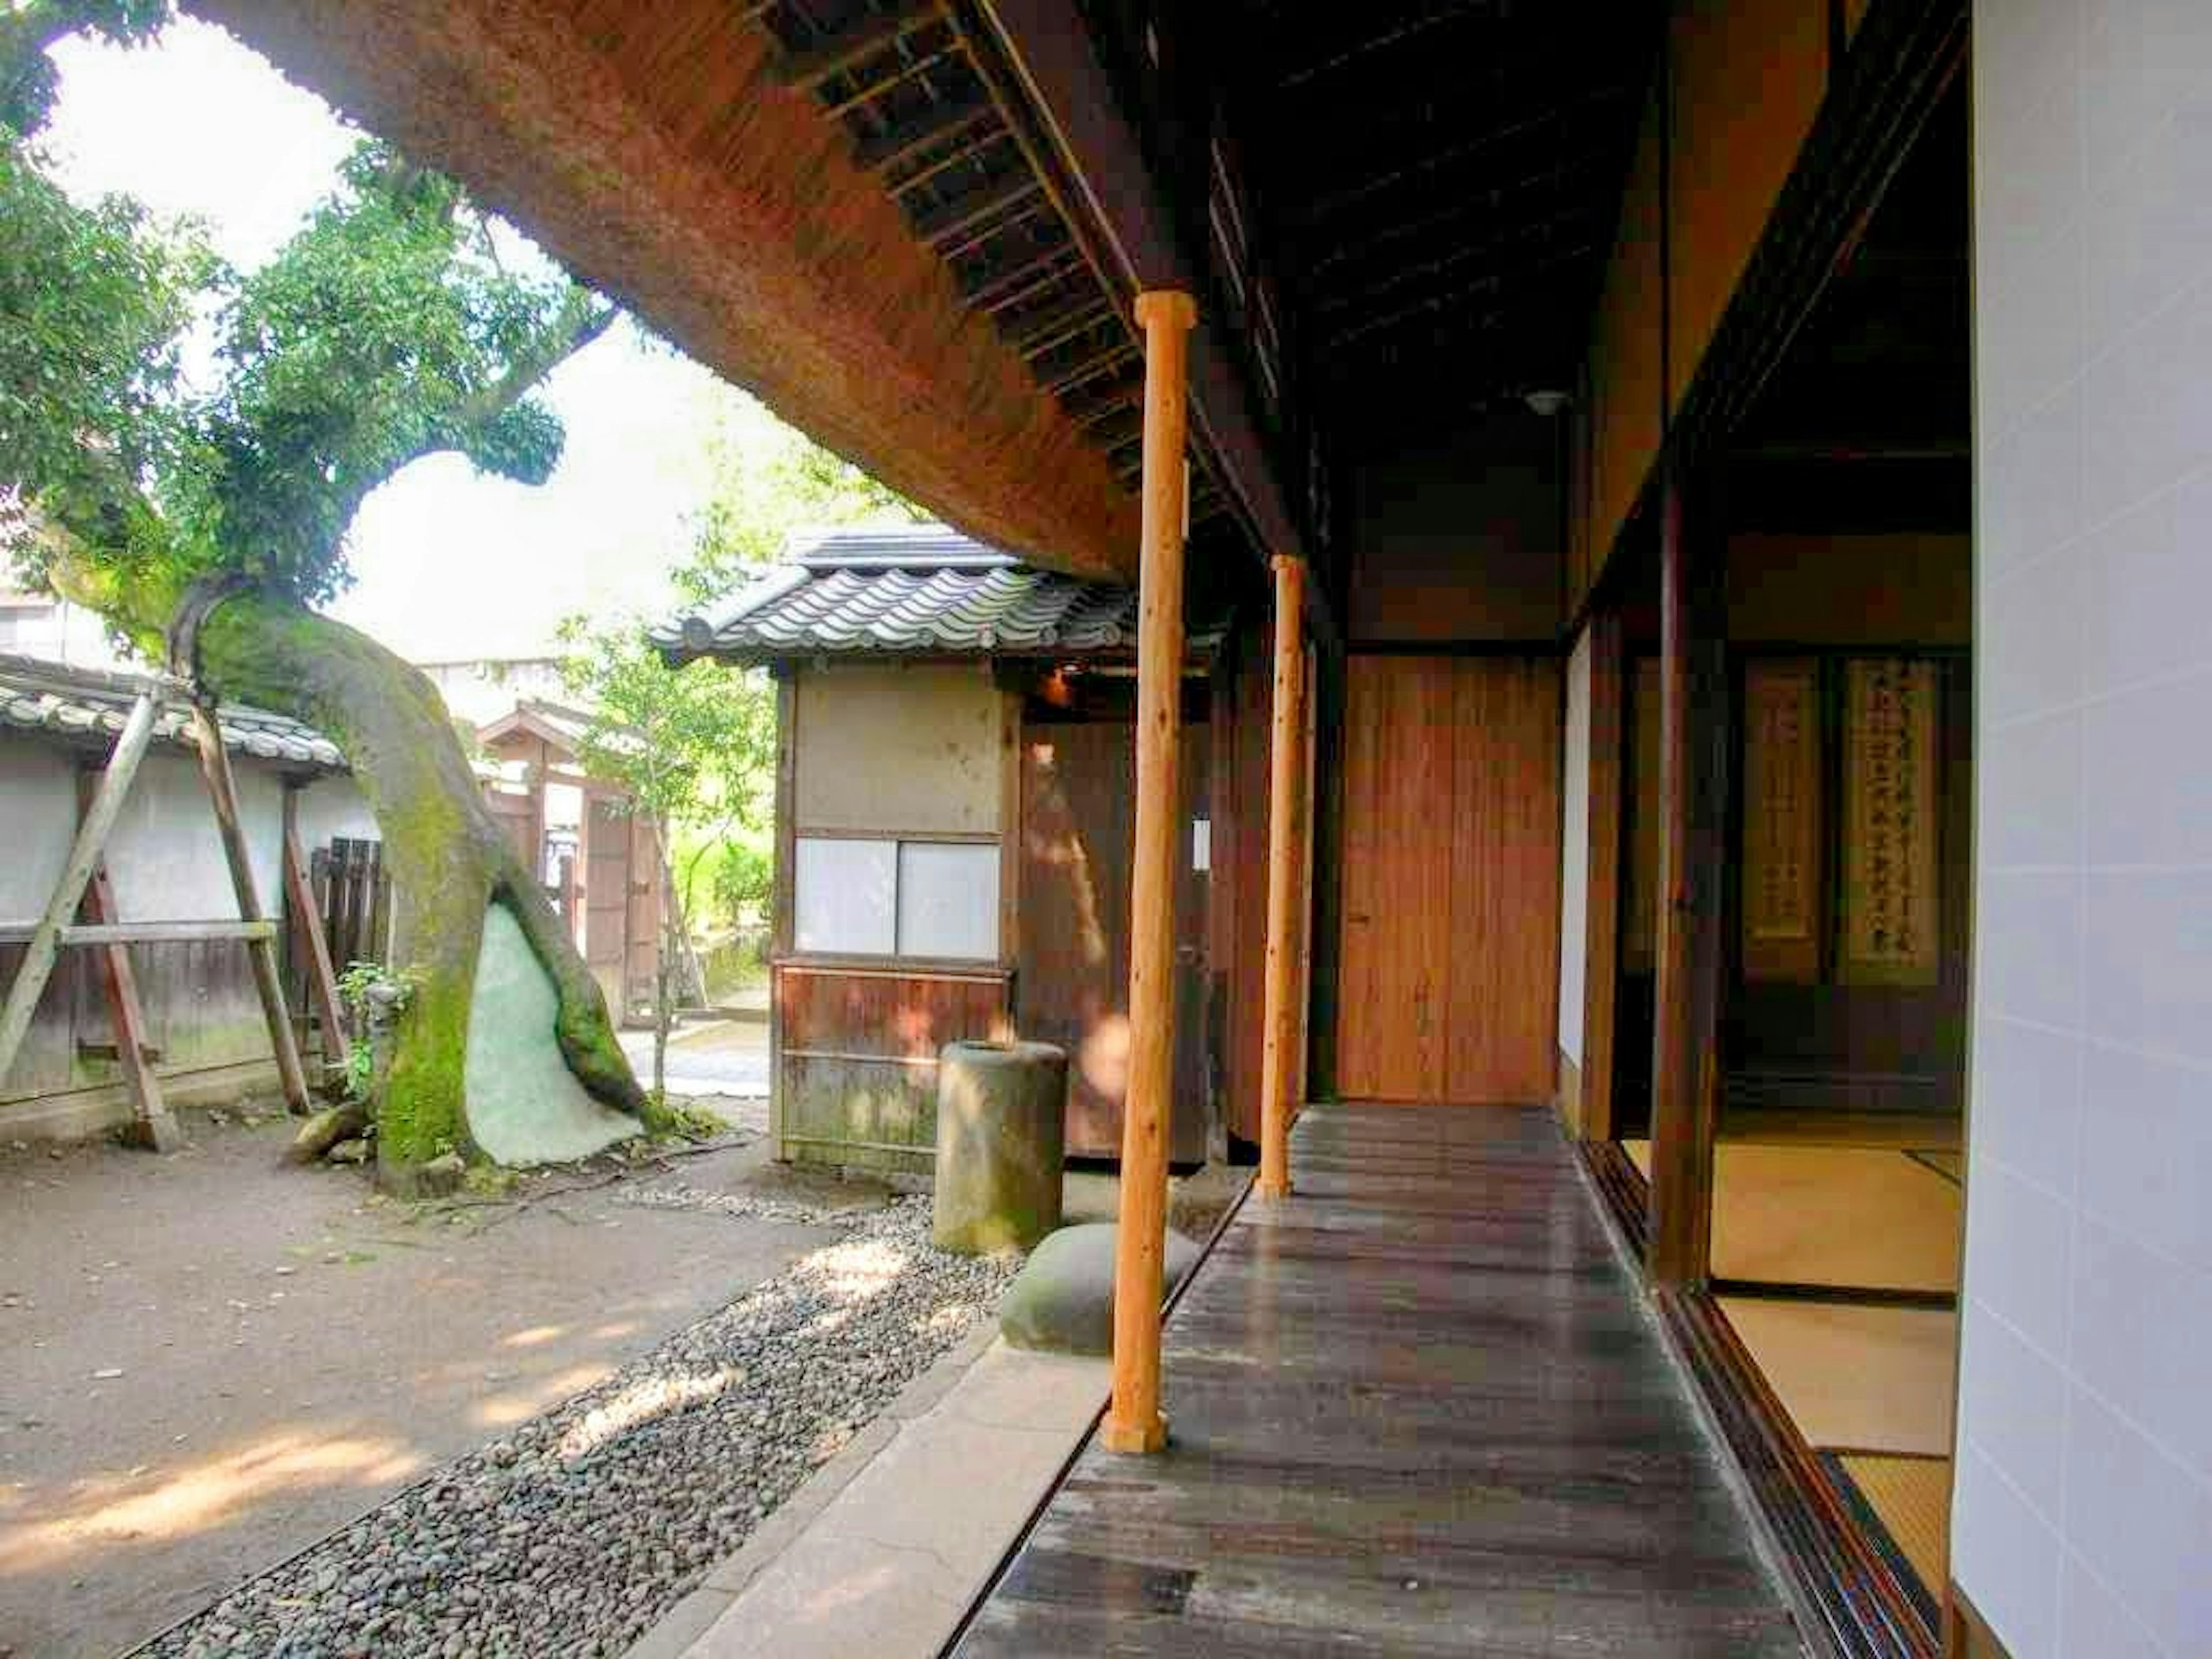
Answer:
(1693, 785)
(1134, 1422)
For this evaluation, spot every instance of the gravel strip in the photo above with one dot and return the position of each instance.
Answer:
(576, 1532)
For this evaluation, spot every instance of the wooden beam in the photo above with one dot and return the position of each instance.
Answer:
(848, 48)
(1286, 865)
(151, 1123)
(1685, 1062)
(893, 145)
(1050, 46)
(307, 929)
(261, 950)
(92, 832)
(1134, 1422)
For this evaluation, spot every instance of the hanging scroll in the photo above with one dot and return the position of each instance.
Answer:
(1780, 907)
(1640, 925)
(1891, 907)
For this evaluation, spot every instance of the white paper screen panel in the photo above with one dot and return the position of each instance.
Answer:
(846, 897)
(948, 900)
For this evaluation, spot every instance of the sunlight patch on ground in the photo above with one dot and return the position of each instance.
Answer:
(205, 1494)
(646, 1398)
(534, 1336)
(521, 1404)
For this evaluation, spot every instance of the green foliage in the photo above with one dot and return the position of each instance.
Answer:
(694, 746)
(771, 481)
(371, 991)
(745, 879)
(400, 321)
(28, 27)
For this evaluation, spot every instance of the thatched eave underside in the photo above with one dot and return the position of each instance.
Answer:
(656, 152)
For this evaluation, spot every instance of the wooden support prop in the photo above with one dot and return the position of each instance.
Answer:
(150, 1120)
(1134, 1422)
(307, 930)
(1693, 709)
(92, 832)
(1285, 866)
(261, 950)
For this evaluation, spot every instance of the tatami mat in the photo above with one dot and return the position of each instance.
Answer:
(1911, 1498)
(1861, 1218)
(1873, 1379)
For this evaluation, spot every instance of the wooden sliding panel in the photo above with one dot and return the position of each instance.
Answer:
(1451, 845)
(1397, 849)
(1603, 919)
(1501, 1014)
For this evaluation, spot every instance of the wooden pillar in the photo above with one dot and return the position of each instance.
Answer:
(261, 950)
(1693, 785)
(1134, 1422)
(1286, 866)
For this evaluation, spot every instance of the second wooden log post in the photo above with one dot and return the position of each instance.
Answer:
(1134, 1422)
(1286, 868)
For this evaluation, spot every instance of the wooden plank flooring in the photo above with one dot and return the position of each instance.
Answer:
(1417, 1411)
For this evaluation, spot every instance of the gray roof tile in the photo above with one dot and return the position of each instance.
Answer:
(79, 702)
(907, 591)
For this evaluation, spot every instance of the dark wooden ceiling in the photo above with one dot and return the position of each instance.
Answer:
(1868, 422)
(1439, 180)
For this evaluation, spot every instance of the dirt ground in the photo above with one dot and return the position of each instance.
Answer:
(213, 1358)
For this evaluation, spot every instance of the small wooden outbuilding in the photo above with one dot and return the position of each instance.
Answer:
(955, 787)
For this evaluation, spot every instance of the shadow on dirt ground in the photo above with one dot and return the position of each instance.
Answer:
(215, 1358)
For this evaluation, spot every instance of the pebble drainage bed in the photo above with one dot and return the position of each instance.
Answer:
(575, 1532)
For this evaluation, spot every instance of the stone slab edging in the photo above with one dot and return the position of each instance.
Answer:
(884, 1549)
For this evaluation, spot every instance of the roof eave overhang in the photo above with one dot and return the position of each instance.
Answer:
(654, 151)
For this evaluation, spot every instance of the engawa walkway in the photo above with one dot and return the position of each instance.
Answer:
(1416, 1410)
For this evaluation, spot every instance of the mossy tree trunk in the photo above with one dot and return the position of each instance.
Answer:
(448, 859)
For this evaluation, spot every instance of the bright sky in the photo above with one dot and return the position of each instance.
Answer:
(449, 565)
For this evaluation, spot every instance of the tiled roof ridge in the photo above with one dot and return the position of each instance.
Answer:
(38, 694)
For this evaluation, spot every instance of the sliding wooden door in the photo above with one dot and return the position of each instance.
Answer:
(1449, 964)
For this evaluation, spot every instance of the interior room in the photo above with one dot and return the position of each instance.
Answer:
(1837, 1198)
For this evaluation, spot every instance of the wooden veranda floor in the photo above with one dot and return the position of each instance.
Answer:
(1416, 1410)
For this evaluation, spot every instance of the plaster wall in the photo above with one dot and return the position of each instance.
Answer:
(2082, 1516)
(1574, 852)
(885, 748)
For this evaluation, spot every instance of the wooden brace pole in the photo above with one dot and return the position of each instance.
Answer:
(222, 792)
(151, 1123)
(1286, 867)
(307, 929)
(1134, 1422)
(92, 833)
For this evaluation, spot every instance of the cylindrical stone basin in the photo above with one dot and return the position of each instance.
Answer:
(1000, 1135)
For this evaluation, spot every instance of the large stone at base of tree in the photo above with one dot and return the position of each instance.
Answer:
(1002, 1116)
(525, 1105)
(1063, 1300)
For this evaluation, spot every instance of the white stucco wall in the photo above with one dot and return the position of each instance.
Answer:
(2082, 1517)
(1574, 852)
(164, 857)
(38, 820)
(887, 748)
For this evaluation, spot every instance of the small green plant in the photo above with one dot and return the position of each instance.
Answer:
(372, 993)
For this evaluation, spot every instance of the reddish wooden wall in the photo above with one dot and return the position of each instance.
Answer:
(1073, 952)
(858, 1057)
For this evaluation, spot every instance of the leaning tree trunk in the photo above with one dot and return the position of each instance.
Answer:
(449, 861)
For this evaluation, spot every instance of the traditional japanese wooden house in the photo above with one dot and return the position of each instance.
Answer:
(955, 789)
(1758, 690)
